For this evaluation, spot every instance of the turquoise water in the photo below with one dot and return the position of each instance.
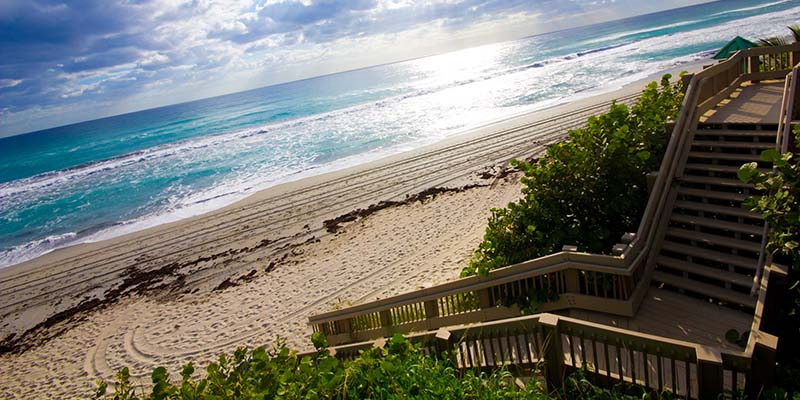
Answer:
(107, 177)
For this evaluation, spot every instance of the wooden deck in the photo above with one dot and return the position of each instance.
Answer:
(673, 315)
(757, 103)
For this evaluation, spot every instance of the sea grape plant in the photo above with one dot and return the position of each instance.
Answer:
(586, 191)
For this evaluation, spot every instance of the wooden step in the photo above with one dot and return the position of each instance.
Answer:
(738, 133)
(733, 145)
(718, 240)
(708, 272)
(713, 194)
(725, 156)
(713, 180)
(712, 291)
(711, 255)
(728, 169)
(715, 223)
(709, 208)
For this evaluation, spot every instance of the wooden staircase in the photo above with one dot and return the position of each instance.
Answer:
(711, 244)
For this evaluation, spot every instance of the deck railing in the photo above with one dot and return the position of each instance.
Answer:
(555, 345)
(788, 114)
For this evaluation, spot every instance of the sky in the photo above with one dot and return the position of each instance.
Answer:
(68, 61)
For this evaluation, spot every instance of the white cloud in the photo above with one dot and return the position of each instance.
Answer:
(9, 83)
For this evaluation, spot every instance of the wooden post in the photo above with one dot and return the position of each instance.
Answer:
(755, 66)
(346, 327)
(776, 295)
(484, 299)
(709, 372)
(386, 319)
(443, 341)
(685, 82)
(553, 352)
(573, 281)
(431, 309)
(763, 368)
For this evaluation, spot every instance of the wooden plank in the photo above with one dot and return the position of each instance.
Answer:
(710, 255)
(708, 238)
(712, 194)
(709, 208)
(756, 230)
(705, 289)
(714, 273)
(716, 181)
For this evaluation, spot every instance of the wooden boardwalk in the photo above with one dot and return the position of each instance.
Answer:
(752, 103)
(673, 315)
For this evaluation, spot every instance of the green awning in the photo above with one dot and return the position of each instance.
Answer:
(738, 43)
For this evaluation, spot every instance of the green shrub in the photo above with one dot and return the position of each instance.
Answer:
(400, 370)
(586, 191)
(779, 204)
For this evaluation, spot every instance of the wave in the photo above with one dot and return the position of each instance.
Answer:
(753, 8)
(601, 49)
(640, 31)
(35, 248)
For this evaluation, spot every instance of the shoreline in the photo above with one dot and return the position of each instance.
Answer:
(302, 180)
(191, 289)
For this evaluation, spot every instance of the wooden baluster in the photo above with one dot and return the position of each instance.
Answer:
(646, 366)
(583, 349)
(632, 357)
(608, 360)
(594, 354)
(519, 348)
(674, 372)
(660, 370)
(510, 352)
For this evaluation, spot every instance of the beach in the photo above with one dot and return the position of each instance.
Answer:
(254, 271)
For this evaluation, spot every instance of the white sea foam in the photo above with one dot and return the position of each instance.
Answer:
(620, 35)
(753, 8)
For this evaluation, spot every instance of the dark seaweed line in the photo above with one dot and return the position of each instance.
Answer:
(216, 241)
(321, 185)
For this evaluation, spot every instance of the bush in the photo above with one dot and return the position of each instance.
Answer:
(779, 204)
(400, 370)
(586, 191)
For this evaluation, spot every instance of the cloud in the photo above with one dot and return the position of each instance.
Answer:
(84, 54)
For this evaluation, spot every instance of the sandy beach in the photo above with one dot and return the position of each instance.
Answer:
(248, 273)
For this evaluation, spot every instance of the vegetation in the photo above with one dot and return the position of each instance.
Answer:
(586, 191)
(779, 204)
(779, 41)
(400, 370)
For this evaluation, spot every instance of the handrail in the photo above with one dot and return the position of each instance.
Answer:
(524, 342)
(781, 145)
(628, 271)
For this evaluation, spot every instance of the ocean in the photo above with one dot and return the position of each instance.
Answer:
(104, 178)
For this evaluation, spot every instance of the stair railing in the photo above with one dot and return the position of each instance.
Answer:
(781, 145)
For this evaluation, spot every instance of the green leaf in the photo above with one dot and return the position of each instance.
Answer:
(747, 172)
(770, 155)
